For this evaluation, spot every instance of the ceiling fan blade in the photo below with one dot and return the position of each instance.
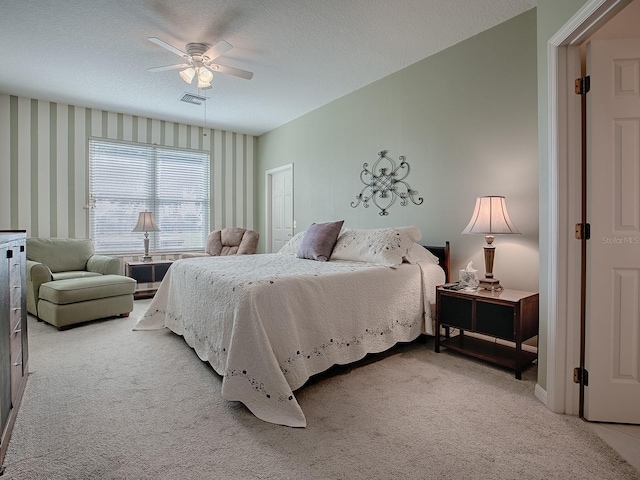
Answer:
(231, 71)
(218, 49)
(164, 44)
(167, 67)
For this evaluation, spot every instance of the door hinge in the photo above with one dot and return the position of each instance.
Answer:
(583, 85)
(581, 375)
(583, 231)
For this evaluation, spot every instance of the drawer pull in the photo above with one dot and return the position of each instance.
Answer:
(17, 364)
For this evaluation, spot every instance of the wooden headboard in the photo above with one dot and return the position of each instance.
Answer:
(443, 254)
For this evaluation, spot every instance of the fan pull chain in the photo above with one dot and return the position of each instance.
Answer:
(205, 118)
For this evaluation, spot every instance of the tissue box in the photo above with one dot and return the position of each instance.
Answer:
(469, 279)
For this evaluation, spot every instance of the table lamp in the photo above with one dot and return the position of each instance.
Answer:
(146, 224)
(490, 218)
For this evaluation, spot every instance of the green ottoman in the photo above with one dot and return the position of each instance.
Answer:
(75, 300)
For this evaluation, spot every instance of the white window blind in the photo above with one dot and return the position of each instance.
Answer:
(128, 178)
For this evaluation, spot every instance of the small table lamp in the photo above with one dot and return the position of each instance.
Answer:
(146, 224)
(490, 217)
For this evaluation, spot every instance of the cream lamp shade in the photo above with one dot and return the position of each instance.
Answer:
(187, 74)
(146, 223)
(205, 75)
(490, 217)
(204, 78)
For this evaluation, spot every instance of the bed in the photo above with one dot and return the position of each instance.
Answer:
(268, 322)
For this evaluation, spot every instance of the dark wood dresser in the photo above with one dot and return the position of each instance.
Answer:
(14, 352)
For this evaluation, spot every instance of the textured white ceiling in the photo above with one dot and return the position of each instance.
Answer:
(304, 53)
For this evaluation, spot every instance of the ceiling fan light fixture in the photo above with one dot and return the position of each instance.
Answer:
(196, 62)
(187, 74)
(205, 75)
(203, 85)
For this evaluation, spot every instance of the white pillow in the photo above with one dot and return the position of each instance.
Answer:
(417, 253)
(292, 246)
(383, 246)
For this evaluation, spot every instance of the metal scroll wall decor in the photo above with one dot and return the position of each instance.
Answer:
(387, 185)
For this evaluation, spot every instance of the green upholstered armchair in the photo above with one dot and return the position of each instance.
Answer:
(50, 259)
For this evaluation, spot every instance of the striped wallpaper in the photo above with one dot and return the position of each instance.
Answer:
(44, 164)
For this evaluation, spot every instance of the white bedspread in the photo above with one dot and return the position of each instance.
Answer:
(266, 323)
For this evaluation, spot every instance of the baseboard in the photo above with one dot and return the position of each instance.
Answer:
(540, 393)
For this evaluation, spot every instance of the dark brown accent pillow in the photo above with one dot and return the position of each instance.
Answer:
(319, 240)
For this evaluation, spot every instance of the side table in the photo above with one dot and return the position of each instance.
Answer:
(148, 275)
(510, 315)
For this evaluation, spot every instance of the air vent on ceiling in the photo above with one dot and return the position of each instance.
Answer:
(194, 99)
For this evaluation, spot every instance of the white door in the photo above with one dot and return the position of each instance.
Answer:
(613, 253)
(281, 201)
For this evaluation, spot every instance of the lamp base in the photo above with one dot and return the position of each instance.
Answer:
(147, 257)
(492, 284)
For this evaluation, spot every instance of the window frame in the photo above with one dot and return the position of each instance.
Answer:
(152, 157)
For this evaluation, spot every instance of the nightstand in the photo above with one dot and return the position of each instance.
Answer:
(148, 275)
(510, 315)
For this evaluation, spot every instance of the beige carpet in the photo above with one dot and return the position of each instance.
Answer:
(104, 402)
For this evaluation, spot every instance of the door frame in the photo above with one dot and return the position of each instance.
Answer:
(268, 179)
(563, 253)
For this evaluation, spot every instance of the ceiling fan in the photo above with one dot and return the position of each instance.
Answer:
(198, 62)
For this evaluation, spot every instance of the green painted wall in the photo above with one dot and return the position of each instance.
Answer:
(466, 120)
(471, 120)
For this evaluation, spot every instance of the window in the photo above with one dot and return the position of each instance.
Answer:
(128, 178)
